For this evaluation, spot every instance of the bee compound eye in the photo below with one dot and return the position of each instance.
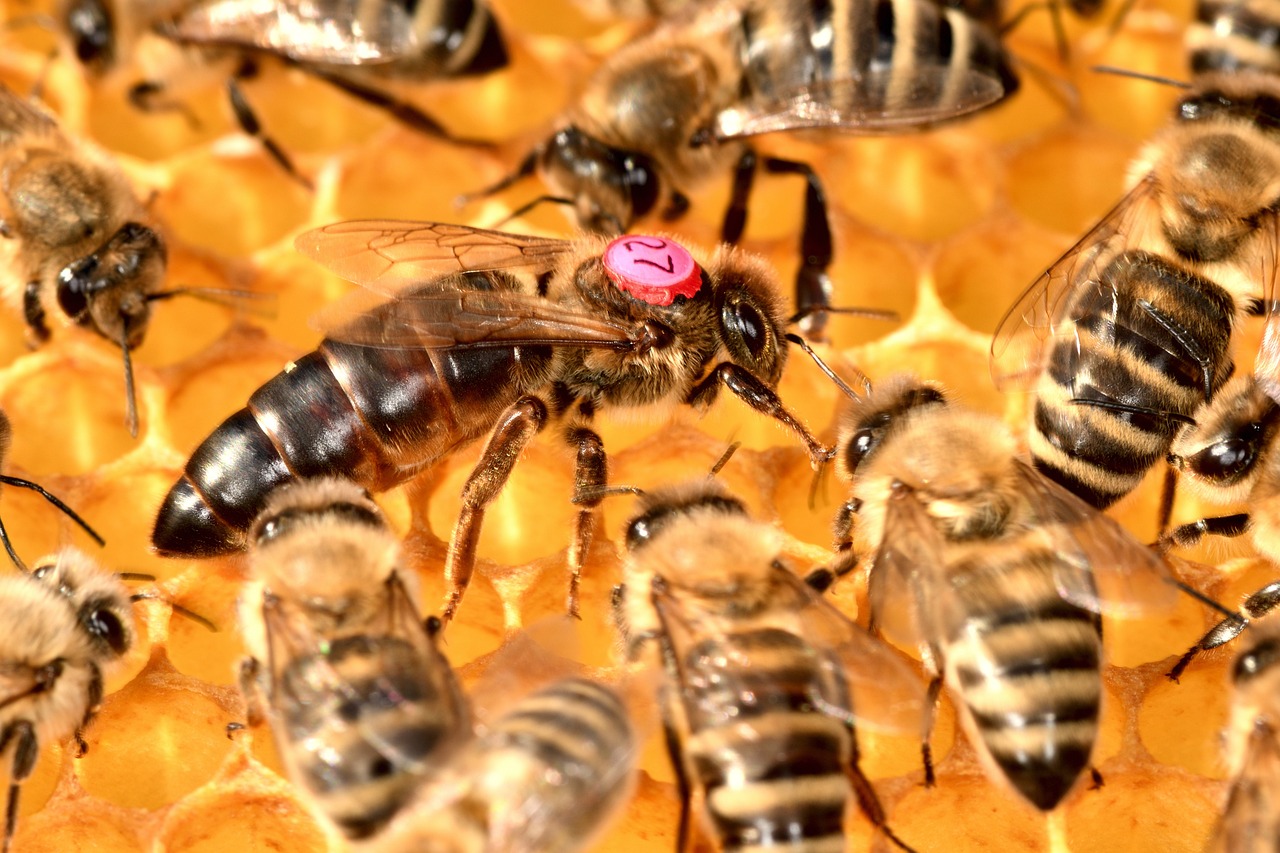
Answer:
(743, 321)
(105, 625)
(1226, 460)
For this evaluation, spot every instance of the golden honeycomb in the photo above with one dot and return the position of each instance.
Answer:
(944, 228)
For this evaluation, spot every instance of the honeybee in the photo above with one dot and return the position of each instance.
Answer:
(764, 678)
(1253, 749)
(78, 241)
(362, 703)
(64, 626)
(1129, 333)
(545, 778)
(350, 44)
(675, 106)
(6, 438)
(995, 573)
(1235, 35)
(465, 347)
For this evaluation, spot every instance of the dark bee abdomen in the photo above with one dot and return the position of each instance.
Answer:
(906, 53)
(459, 37)
(1115, 392)
(1028, 667)
(772, 766)
(362, 726)
(375, 416)
(1234, 35)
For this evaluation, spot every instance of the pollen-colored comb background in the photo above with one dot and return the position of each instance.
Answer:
(944, 228)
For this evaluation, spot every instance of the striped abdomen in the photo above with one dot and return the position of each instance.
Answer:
(892, 55)
(359, 724)
(1235, 35)
(1027, 667)
(546, 778)
(456, 38)
(1138, 351)
(773, 768)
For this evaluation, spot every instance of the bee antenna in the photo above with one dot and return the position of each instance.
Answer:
(822, 365)
(723, 460)
(1139, 75)
(870, 313)
(220, 296)
(53, 499)
(130, 392)
(524, 170)
(177, 608)
(1212, 604)
(528, 206)
(13, 555)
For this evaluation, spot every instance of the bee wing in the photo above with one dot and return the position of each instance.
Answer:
(389, 256)
(1248, 821)
(1267, 363)
(1101, 567)
(329, 32)
(1020, 345)
(856, 676)
(19, 115)
(872, 103)
(907, 573)
(447, 317)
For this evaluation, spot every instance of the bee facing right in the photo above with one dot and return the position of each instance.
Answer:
(61, 628)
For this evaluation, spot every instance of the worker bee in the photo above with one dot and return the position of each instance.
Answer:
(79, 244)
(995, 573)
(544, 778)
(362, 703)
(1253, 749)
(6, 438)
(1129, 333)
(1235, 35)
(764, 678)
(64, 625)
(350, 44)
(466, 347)
(675, 106)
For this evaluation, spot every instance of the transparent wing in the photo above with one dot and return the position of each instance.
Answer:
(388, 256)
(1266, 366)
(851, 674)
(908, 572)
(442, 316)
(873, 103)
(398, 675)
(1020, 345)
(329, 32)
(1101, 567)
(19, 116)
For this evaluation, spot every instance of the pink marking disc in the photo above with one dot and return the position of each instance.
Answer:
(652, 269)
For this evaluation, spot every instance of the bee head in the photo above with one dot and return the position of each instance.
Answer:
(1223, 448)
(610, 187)
(749, 312)
(108, 289)
(92, 31)
(865, 425)
(102, 606)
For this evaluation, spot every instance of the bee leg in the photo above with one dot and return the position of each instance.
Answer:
(93, 693)
(760, 397)
(248, 121)
(1168, 494)
(1255, 606)
(1096, 783)
(932, 696)
(735, 215)
(524, 419)
(813, 285)
(146, 97)
(247, 676)
(670, 733)
(22, 735)
(868, 799)
(1189, 534)
(588, 484)
(33, 313)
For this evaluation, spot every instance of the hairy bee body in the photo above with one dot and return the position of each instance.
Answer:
(544, 778)
(1129, 333)
(758, 703)
(61, 628)
(991, 570)
(1235, 35)
(362, 704)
